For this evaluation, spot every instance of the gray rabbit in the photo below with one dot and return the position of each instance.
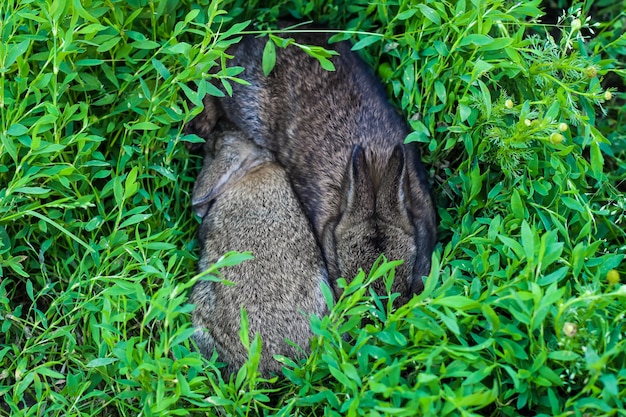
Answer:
(247, 204)
(341, 142)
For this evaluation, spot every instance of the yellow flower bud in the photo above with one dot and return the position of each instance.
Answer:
(508, 104)
(556, 138)
(563, 127)
(591, 72)
(570, 329)
(576, 24)
(527, 122)
(612, 277)
(608, 95)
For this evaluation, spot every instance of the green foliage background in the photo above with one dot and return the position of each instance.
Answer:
(521, 313)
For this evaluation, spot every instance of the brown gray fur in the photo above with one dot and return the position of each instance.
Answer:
(340, 141)
(247, 204)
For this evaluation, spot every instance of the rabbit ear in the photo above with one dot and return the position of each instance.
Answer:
(404, 197)
(392, 200)
(358, 191)
(217, 175)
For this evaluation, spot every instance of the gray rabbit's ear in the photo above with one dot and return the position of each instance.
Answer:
(358, 190)
(392, 200)
(203, 189)
(217, 176)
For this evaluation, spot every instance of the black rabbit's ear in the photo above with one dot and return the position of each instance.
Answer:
(358, 190)
(392, 198)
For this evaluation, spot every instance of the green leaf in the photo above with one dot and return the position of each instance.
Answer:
(218, 401)
(421, 133)
(244, 335)
(89, 62)
(235, 29)
(326, 64)
(572, 204)
(29, 290)
(578, 258)
(516, 205)
(14, 51)
(181, 48)
(269, 57)
(98, 362)
(476, 39)
(406, 14)
(497, 44)
(232, 258)
(366, 41)
(513, 245)
(143, 126)
(145, 44)
(480, 398)
(134, 219)
(80, 10)
(478, 375)
(17, 130)
(563, 355)
(449, 320)
(528, 242)
(430, 14)
(109, 44)
(32, 190)
(50, 373)
(486, 95)
(130, 184)
(553, 112)
(161, 69)
(440, 91)
(597, 160)
(458, 302)
(329, 297)
(555, 276)
(343, 379)
(430, 283)
(464, 111)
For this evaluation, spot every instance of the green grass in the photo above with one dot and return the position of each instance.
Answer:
(521, 315)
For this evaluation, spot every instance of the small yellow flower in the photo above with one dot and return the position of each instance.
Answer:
(570, 329)
(576, 25)
(612, 277)
(608, 95)
(591, 72)
(527, 122)
(563, 127)
(556, 138)
(508, 104)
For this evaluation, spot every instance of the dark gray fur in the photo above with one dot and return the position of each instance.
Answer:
(340, 141)
(247, 204)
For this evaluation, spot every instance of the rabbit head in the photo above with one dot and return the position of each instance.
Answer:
(375, 217)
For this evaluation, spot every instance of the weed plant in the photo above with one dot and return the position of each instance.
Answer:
(521, 123)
